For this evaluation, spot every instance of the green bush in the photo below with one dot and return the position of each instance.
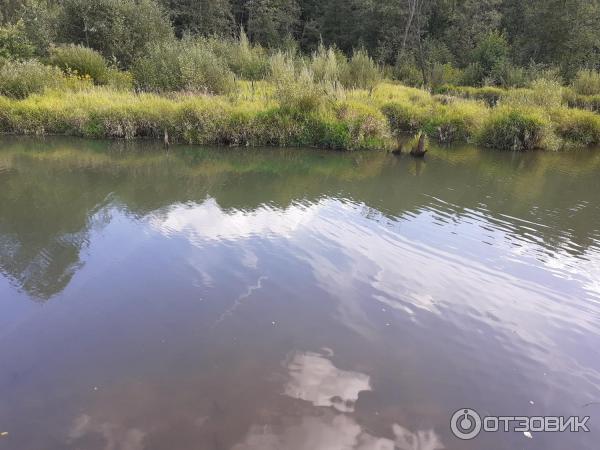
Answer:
(473, 75)
(366, 126)
(119, 29)
(514, 129)
(328, 65)
(203, 71)
(587, 82)
(404, 118)
(541, 93)
(295, 89)
(443, 74)
(118, 79)
(247, 61)
(575, 126)
(457, 121)
(183, 65)
(489, 94)
(14, 43)
(491, 52)
(19, 79)
(508, 76)
(79, 60)
(158, 69)
(588, 102)
(361, 72)
(406, 71)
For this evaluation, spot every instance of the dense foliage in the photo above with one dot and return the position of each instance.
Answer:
(336, 73)
(488, 40)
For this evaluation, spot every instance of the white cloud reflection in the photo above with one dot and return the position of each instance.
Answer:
(414, 267)
(334, 432)
(315, 379)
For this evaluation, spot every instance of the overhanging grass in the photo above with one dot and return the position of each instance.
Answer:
(254, 116)
(207, 120)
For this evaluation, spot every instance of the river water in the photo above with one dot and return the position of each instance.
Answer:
(294, 299)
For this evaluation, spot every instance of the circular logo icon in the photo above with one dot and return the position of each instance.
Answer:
(465, 424)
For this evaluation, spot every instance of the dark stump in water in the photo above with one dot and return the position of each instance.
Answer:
(419, 150)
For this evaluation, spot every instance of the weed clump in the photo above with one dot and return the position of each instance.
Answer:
(19, 79)
(515, 129)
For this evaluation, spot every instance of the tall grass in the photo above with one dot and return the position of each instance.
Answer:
(361, 72)
(191, 89)
(185, 65)
(328, 65)
(80, 60)
(102, 112)
(587, 82)
(546, 94)
(19, 79)
(247, 61)
(295, 87)
(516, 129)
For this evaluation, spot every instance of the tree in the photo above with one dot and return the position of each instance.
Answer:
(40, 19)
(270, 22)
(469, 22)
(202, 17)
(9, 10)
(119, 29)
(562, 32)
(14, 43)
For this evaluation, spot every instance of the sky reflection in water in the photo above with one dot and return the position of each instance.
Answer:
(294, 299)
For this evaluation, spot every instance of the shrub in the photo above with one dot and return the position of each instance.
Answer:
(457, 121)
(544, 72)
(490, 52)
(361, 72)
(587, 82)
(328, 65)
(203, 71)
(542, 93)
(158, 69)
(80, 60)
(295, 90)
(366, 126)
(247, 61)
(14, 43)
(119, 29)
(489, 94)
(18, 79)
(183, 65)
(473, 75)
(507, 75)
(588, 102)
(403, 117)
(514, 129)
(442, 74)
(118, 79)
(575, 126)
(406, 71)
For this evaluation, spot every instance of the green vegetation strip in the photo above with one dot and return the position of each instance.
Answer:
(263, 113)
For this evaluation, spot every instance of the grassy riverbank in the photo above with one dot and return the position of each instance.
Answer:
(260, 113)
(110, 71)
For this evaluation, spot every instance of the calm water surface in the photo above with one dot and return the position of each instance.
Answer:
(293, 299)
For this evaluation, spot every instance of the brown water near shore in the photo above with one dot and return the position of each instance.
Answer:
(293, 299)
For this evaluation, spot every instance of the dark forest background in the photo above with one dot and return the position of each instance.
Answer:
(488, 41)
